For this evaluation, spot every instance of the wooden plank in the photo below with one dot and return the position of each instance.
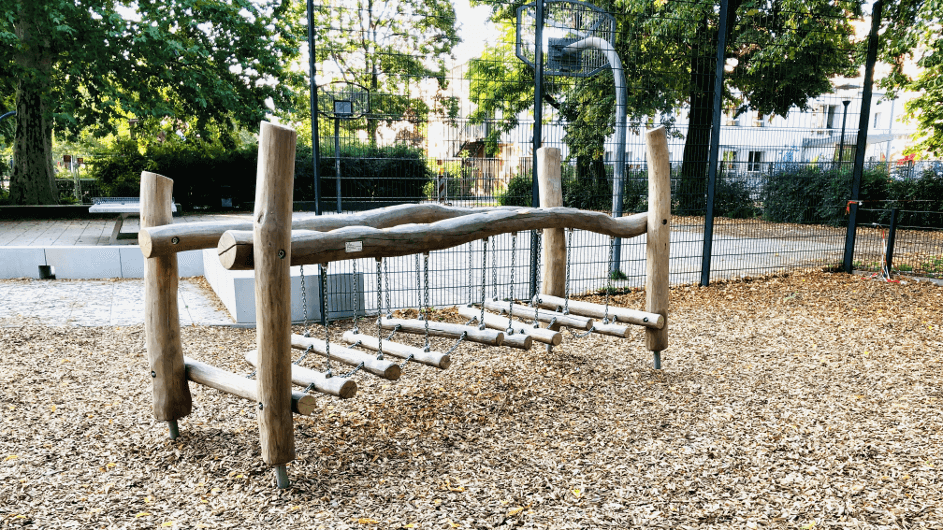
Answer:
(588, 309)
(657, 247)
(367, 242)
(379, 367)
(570, 321)
(419, 355)
(544, 335)
(331, 386)
(92, 234)
(272, 232)
(445, 329)
(172, 399)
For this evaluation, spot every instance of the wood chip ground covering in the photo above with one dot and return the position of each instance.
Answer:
(804, 401)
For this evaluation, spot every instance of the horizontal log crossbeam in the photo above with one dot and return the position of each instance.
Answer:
(445, 329)
(236, 247)
(237, 385)
(543, 315)
(380, 368)
(169, 239)
(589, 309)
(493, 321)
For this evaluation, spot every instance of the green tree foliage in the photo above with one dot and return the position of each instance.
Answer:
(780, 55)
(79, 65)
(912, 33)
(387, 46)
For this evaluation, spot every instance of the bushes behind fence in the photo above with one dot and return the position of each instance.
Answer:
(204, 174)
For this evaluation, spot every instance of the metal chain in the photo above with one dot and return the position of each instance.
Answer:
(380, 309)
(510, 329)
(535, 301)
(304, 300)
(484, 271)
(459, 341)
(605, 318)
(425, 288)
(386, 280)
(494, 268)
(353, 287)
(470, 289)
(395, 329)
(566, 282)
(327, 323)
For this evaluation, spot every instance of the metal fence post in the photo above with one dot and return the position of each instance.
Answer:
(715, 146)
(861, 143)
(538, 139)
(891, 235)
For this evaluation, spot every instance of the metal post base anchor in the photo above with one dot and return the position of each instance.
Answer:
(281, 477)
(174, 429)
(657, 360)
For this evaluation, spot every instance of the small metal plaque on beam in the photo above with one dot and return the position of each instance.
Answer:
(353, 246)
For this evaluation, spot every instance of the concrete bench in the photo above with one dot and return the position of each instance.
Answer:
(124, 207)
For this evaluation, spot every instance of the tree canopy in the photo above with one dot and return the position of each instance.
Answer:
(912, 34)
(88, 65)
(779, 55)
(389, 47)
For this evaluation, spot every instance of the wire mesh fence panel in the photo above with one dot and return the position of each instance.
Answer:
(917, 242)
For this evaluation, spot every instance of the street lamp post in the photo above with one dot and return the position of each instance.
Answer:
(841, 146)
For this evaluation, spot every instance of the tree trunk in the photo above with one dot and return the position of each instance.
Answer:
(33, 181)
(692, 196)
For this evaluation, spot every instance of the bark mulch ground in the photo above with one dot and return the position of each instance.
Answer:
(811, 400)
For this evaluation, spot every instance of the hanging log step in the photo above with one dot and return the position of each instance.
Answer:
(332, 386)
(494, 321)
(238, 385)
(445, 329)
(570, 321)
(615, 330)
(384, 368)
(589, 309)
(431, 358)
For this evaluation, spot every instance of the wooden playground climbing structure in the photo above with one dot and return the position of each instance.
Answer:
(273, 242)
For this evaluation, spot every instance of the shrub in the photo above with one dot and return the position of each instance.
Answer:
(813, 194)
(732, 199)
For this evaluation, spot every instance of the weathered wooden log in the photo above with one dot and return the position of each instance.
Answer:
(170, 239)
(171, 394)
(554, 244)
(272, 234)
(332, 386)
(657, 247)
(421, 356)
(380, 368)
(570, 321)
(494, 321)
(366, 242)
(615, 330)
(589, 309)
(518, 341)
(238, 385)
(445, 329)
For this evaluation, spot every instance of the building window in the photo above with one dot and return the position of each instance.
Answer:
(756, 158)
(830, 112)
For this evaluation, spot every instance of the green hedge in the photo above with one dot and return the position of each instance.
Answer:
(203, 174)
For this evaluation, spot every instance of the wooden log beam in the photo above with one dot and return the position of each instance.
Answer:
(615, 330)
(589, 309)
(332, 386)
(657, 246)
(518, 341)
(570, 321)
(494, 321)
(421, 356)
(445, 329)
(171, 395)
(238, 385)
(367, 242)
(380, 368)
(170, 239)
(272, 234)
(554, 243)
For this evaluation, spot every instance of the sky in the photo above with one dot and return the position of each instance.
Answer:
(475, 30)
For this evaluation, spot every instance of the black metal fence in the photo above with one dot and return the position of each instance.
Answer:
(764, 143)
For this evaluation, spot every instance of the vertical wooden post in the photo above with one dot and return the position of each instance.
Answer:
(554, 245)
(659, 238)
(172, 399)
(272, 253)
